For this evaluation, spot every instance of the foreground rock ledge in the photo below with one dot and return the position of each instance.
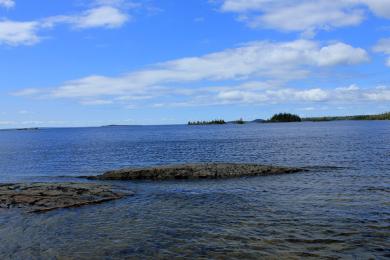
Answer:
(195, 171)
(42, 197)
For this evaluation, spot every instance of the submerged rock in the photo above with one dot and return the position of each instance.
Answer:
(42, 197)
(195, 171)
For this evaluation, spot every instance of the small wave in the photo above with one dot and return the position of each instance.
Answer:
(325, 168)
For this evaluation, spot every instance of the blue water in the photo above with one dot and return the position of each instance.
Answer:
(340, 209)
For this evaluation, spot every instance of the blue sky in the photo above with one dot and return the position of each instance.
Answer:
(85, 63)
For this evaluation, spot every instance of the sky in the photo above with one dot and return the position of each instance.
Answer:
(99, 62)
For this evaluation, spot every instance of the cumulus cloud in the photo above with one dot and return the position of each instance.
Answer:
(7, 3)
(383, 46)
(304, 15)
(104, 14)
(259, 65)
(18, 33)
(379, 7)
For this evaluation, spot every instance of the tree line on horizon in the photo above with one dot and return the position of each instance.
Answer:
(288, 117)
(212, 122)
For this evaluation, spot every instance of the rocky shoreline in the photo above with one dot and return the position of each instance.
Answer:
(43, 197)
(195, 171)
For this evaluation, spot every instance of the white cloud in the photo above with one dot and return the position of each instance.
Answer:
(384, 46)
(27, 92)
(304, 15)
(260, 67)
(6, 123)
(381, 93)
(18, 33)
(273, 95)
(27, 33)
(7, 3)
(102, 16)
(315, 94)
(341, 53)
(379, 7)
(335, 98)
(268, 60)
(95, 102)
(348, 94)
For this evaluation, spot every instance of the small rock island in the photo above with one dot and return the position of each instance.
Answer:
(43, 197)
(195, 171)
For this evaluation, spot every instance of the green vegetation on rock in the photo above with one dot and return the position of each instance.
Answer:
(285, 117)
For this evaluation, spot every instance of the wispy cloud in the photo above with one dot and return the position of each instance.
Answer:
(103, 14)
(7, 123)
(7, 3)
(27, 92)
(383, 46)
(94, 102)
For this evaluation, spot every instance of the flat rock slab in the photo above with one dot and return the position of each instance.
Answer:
(195, 171)
(42, 197)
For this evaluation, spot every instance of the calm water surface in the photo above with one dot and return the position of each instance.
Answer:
(341, 209)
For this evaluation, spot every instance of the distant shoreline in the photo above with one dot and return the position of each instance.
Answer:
(289, 118)
(375, 117)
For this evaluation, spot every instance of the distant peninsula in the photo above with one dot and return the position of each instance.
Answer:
(383, 116)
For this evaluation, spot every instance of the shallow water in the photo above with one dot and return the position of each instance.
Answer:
(329, 212)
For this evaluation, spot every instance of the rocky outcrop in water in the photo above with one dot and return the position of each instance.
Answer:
(195, 171)
(42, 197)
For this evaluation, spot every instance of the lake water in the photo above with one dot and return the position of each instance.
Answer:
(340, 209)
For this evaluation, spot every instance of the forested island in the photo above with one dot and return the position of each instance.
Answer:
(284, 117)
(212, 122)
(217, 122)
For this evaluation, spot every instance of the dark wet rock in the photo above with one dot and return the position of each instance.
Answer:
(195, 171)
(42, 197)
